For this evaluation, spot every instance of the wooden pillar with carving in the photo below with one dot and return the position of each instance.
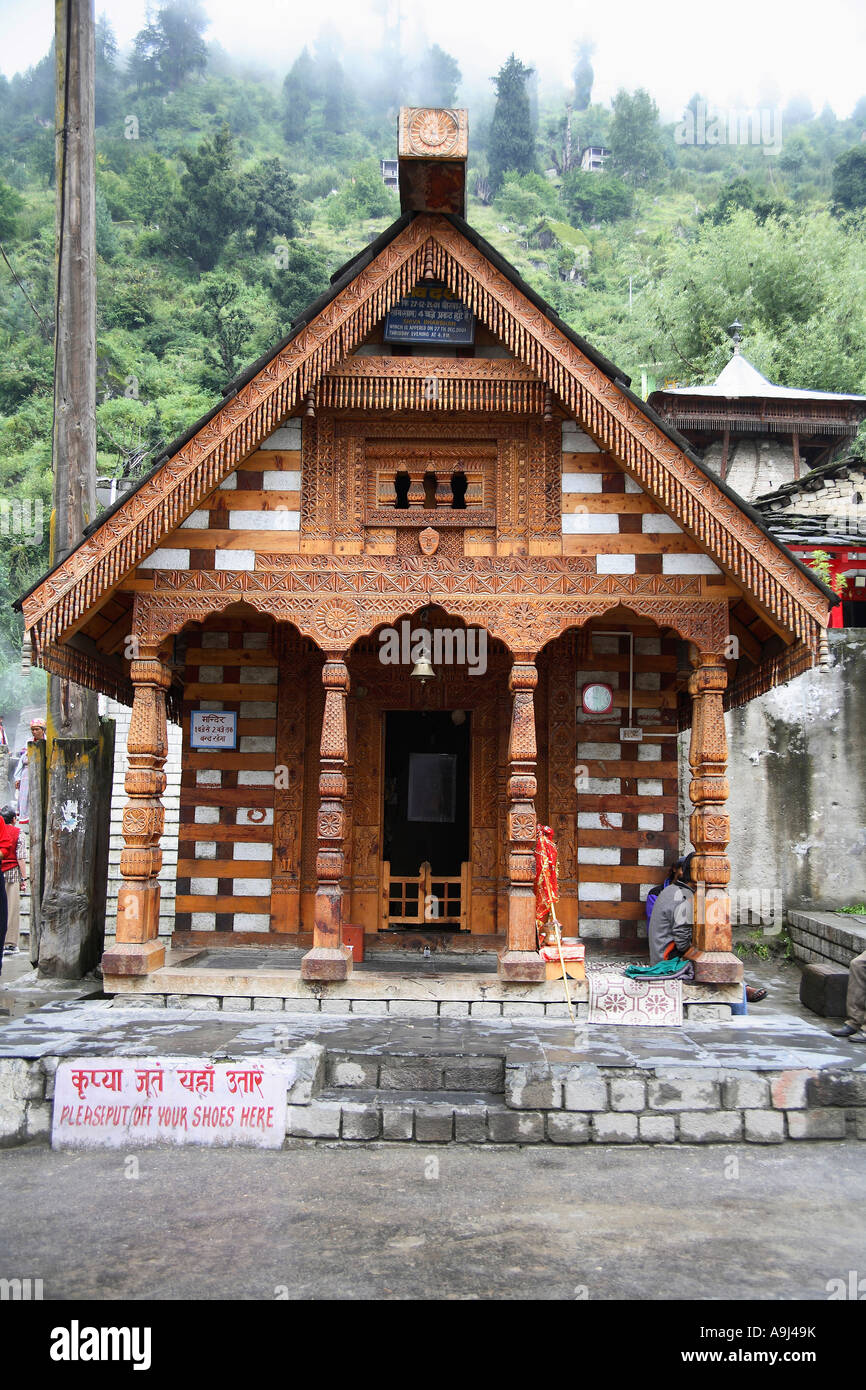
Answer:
(709, 825)
(137, 949)
(520, 959)
(329, 959)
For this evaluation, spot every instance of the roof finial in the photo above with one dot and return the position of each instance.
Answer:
(735, 330)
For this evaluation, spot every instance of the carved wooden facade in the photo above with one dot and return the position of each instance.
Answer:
(255, 567)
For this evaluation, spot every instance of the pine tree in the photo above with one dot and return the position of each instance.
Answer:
(583, 75)
(512, 146)
(209, 207)
(635, 137)
(438, 78)
(299, 91)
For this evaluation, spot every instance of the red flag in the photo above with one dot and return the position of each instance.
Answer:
(546, 883)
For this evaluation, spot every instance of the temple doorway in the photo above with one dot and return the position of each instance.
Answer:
(426, 817)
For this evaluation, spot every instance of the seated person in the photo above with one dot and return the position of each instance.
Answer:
(673, 912)
(672, 918)
(854, 1027)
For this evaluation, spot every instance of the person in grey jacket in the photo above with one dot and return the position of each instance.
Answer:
(670, 925)
(672, 919)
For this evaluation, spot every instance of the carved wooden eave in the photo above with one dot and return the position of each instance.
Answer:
(430, 246)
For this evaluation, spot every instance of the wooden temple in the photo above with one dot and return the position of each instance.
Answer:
(430, 449)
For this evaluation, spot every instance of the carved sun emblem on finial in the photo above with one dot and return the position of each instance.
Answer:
(434, 130)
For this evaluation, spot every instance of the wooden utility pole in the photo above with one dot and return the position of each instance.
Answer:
(72, 912)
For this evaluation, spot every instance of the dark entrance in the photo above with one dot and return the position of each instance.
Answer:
(426, 791)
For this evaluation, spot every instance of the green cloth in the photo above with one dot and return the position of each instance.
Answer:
(655, 972)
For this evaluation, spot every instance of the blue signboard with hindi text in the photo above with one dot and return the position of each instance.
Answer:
(430, 315)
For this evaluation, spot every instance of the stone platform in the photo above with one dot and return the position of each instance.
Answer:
(495, 1078)
(387, 984)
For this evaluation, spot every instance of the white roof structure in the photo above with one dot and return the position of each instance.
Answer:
(739, 378)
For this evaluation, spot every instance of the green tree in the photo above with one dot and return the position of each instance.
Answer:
(512, 144)
(583, 75)
(595, 197)
(11, 205)
(849, 180)
(152, 186)
(635, 137)
(225, 321)
(106, 75)
(299, 91)
(302, 278)
(170, 47)
(208, 208)
(270, 202)
(438, 78)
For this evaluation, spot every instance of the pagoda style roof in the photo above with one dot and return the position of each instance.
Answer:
(741, 379)
(420, 246)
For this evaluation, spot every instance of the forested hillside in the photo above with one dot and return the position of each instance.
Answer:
(226, 198)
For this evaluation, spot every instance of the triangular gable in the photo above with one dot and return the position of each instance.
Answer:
(432, 247)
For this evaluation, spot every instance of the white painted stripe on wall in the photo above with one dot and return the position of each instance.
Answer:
(590, 524)
(197, 521)
(211, 706)
(654, 523)
(650, 752)
(229, 484)
(601, 854)
(260, 675)
(210, 675)
(648, 680)
(574, 441)
(204, 886)
(607, 752)
(652, 821)
(166, 558)
(214, 639)
(648, 646)
(248, 777)
(288, 436)
(252, 815)
(649, 786)
(282, 480)
(632, 485)
(581, 482)
(252, 921)
(251, 887)
(208, 777)
(615, 564)
(258, 709)
(280, 519)
(653, 857)
(602, 892)
(203, 921)
(234, 559)
(597, 927)
(689, 564)
(205, 849)
(591, 820)
(207, 815)
(256, 641)
(258, 743)
(252, 849)
(602, 786)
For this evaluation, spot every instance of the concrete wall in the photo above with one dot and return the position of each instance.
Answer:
(797, 772)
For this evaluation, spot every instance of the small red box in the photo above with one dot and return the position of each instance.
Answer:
(354, 937)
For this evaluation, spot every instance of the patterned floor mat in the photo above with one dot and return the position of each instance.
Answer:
(614, 998)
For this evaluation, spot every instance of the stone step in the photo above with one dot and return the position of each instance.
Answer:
(414, 1071)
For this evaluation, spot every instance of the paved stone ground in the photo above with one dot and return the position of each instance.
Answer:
(430, 1223)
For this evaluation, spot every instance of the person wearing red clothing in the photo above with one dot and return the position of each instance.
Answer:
(12, 868)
